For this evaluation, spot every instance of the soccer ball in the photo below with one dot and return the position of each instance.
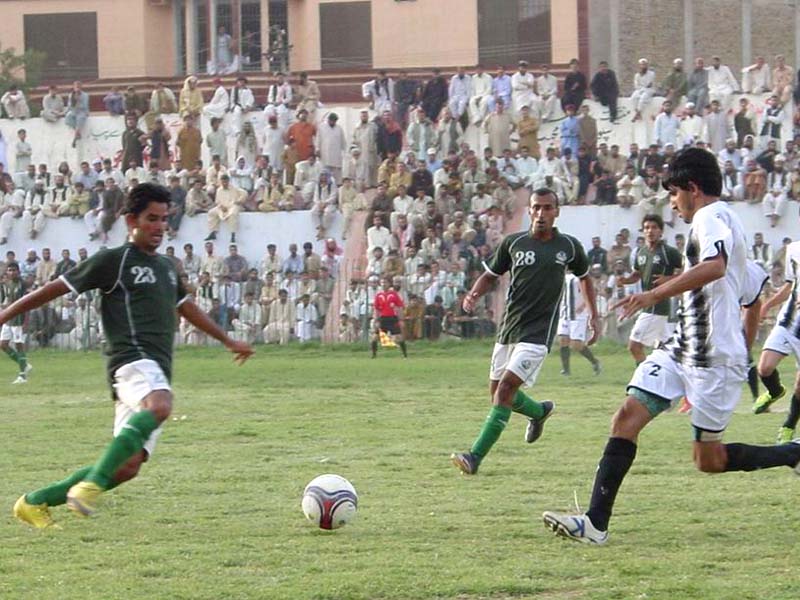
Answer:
(330, 501)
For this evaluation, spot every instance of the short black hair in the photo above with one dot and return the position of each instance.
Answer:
(698, 166)
(545, 191)
(142, 195)
(12, 265)
(654, 219)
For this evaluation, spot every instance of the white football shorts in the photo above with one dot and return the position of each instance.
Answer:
(132, 383)
(523, 359)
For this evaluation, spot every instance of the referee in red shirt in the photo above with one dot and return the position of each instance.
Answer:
(387, 312)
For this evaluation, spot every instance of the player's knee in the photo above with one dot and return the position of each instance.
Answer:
(160, 404)
(624, 423)
(765, 369)
(504, 393)
(577, 346)
(130, 469)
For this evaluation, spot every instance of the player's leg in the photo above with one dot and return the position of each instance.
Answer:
(397, 335)
(19, 346)
(144, 403)
(778, 345)
(512, 366)
(375, 340)
(578, 330)
(714, 393)
(6, 337)
(786, 433)
(653, 386)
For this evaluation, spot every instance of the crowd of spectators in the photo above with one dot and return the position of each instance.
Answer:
(435, 207)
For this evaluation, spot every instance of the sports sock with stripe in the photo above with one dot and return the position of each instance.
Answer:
(525, 405)
(494, 425)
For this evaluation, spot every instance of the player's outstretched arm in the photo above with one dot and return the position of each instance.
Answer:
(779, 298)
(35, 299)
(192, 313)
(750, 322)
(692, 279)
(483, 284)
(587, 290)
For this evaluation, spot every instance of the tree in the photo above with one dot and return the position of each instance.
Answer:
(24, 70)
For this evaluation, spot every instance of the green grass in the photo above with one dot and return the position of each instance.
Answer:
(217, 513)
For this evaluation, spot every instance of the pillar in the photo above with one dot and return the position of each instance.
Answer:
(747, 21)
(688, 34)
(264, 34)
(613, 18)
(190, 24)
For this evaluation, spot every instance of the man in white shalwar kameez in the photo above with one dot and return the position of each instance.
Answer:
(306, 319)
(459, 93)
(644, 87)
(547, 88)
(721, 83)
(279, 97)
(757, 78)
(523, 91)
(332, 145)
(242, 101)
(481, 94)
(219, 104)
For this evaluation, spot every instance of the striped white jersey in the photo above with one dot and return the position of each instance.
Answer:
(789, 317)
(709, 331)
(754, 279)
(573, 305)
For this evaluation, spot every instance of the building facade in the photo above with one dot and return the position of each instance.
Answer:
(160, 38)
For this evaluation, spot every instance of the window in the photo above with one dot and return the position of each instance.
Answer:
(346, 35)
(510, 30)
(68, 39)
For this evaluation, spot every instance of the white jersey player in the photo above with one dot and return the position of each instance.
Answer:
(573, 325)
(783, 340)
(705, 360)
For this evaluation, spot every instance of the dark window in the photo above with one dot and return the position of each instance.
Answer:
(251, 35)
(68, 39)
(510, 30)
(346, 35)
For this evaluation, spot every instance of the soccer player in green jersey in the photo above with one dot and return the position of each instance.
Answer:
(11, 291)
(537, 260)
(142, 295)
(655, 263)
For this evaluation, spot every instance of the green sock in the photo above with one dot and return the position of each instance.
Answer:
(56, 494)
(525, 405)
(492, 428)
(22, 361)
(129, 441)
(12, 354)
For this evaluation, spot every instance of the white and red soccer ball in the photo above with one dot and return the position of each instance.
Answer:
(330, 501)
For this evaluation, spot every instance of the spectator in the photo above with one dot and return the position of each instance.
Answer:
(754, 179)
(407, 93)
(760, 252)
(189, 142)
(675, 85)
(308, 96)
(448, 134)
(197, 200)
(279, 98)
(248, 322)
(306, 318)
(228, 203)
(630, 188)
(217, 141)
(587, 131)
(23, 152)
(547, 90)
(133, 103)
(247, 145)
(575, 85)
(729, 153)
(77, 110)
(162, 101)
(782, 79)
(744, 122)
(499, 125)
(159, 144)
(281, 321)
(666, 125)
(721, 83)
(378, 235)
(190, 101)
(643, 88)
(434, 96)
(177, 196)
(293, 263)
(219, 103)
(324, 203)
(756, 79)
(242, 102)
(14, 103)
(332, 146)
(53, 107)
(523, 90)
(570, 131)
(379, 92)
(214, 173)
(114, 102)
(771, 121)
(234, 265)
(732, 186)
(776, 192)
(303, 133)
(420, 136)
(481, 95)
(598, 255)
(224, 46)
(717, 127)
(605, 89)
(191, 264)
(459, 93)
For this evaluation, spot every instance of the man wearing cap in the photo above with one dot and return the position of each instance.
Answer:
(605, 89)
(721, 83)
(523, 90)
(481, 94)
(691, 128)
(675, 85)
(332, 146)
(756, 79)
(778, 183)
(228, 204)
(643, 88)
(459, 93)
(730, 153)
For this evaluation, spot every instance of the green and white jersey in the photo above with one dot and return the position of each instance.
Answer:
(10, 292)
(662, 260)
(537, 282)
(140, 293)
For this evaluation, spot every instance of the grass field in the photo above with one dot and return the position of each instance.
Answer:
(217, 513)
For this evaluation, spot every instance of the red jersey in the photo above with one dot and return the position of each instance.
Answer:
(386, 302)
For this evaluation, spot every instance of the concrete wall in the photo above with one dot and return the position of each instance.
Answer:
(773, 25)
(564, 30)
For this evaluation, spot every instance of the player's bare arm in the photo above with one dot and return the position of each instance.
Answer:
(35, 299)
(587, 289)
(189, 310)
(696, 277)
(779, 298)
(483, 284)
(750, 322)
